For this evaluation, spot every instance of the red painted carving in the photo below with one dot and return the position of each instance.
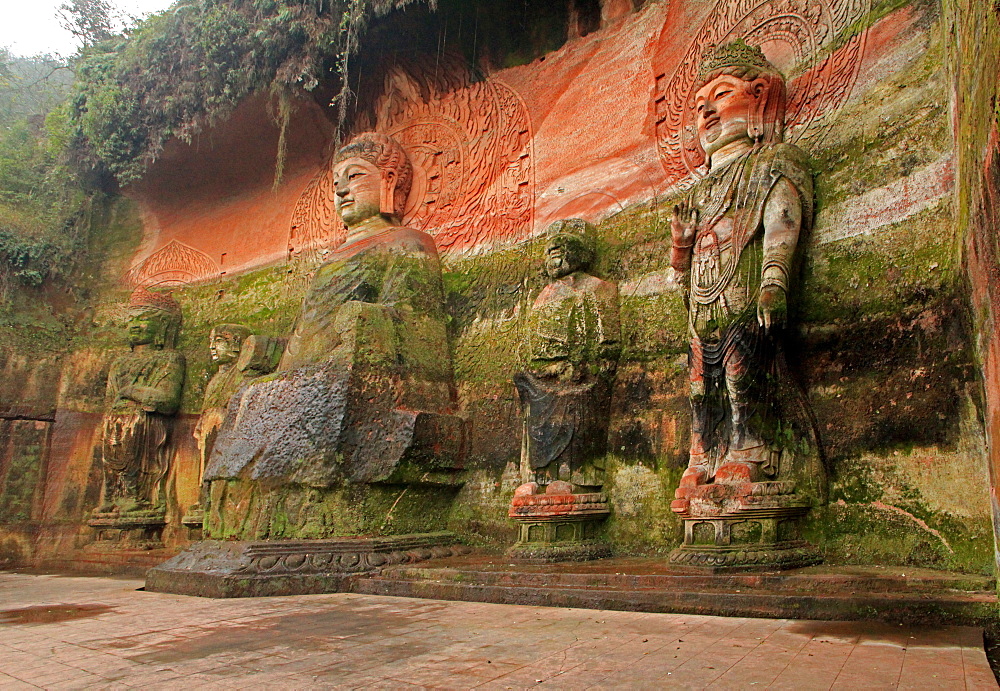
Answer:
(470, 145)
(173, 264)
(797, 36)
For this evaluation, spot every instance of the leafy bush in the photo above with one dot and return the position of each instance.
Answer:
(39, 196)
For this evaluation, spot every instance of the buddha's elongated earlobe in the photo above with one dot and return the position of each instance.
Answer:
(758, 88)
(387, 196)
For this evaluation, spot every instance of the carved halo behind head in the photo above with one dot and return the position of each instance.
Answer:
(766, 120)
(387, 155)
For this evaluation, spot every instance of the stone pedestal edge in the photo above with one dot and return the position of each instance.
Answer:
(548, 553)
(741, 558)
(213, 568)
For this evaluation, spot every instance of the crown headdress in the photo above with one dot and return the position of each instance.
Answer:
(143, 298)
(735, 54)
(572, 227)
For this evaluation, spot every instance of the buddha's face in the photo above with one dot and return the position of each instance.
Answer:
(723, 110)
(224, 348)
(358, 184)
(145, 327)
(561, 258)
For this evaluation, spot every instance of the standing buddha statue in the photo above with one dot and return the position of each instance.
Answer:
(735, 237)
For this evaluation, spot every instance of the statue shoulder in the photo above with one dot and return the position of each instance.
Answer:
(411, 240)
(788, 157)
(172, 358)
(598, 286)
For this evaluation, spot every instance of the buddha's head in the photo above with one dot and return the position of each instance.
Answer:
(154, 319)
(225, 342)
(740, 96)
(372, 176)
(569, 247)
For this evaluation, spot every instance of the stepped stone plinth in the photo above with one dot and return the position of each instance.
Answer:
(129, 530)
(742, 527)
(244, 568)
(557, 525)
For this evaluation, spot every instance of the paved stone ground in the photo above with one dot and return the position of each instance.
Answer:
(72, 632)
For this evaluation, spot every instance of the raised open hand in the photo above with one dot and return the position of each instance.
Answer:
(683, 225)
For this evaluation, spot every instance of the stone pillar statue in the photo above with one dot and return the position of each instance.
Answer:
(566, 399)
(735, 237)
(240, 356)
(143, 393)
(364, 391)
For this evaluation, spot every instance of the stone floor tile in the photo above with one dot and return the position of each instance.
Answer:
(350, 641)
(978, 674)
(87, 681)
(14, 683)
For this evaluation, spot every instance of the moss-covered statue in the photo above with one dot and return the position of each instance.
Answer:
(566, 391)
(364, 388)
(144, 391)
(240, 357)
(735, 237)
(566, 402)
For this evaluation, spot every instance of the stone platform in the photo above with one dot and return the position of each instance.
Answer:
(899, 595)
(387, 566)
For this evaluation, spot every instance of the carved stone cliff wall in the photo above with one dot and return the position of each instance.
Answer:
(599, 127)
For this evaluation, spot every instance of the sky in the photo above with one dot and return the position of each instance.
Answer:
(30, 27)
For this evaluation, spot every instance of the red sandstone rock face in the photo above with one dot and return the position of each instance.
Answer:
(984, 272)
(585, 131)
(575, 133)
(210, 207)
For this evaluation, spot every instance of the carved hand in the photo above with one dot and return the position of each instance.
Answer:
(682, 225)
(772, 306)
(682, 232)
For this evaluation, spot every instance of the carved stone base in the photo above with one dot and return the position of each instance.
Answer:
(551, 552)
(214, 568)
(194, 518)
(733, 544)
(557, 527)
(139, 529)
(746, 542)
(742, 527)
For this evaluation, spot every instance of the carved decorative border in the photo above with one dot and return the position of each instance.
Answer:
(174, 264)
(779, 556)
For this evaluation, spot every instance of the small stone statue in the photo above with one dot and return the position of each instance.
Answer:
(224, 344)
(241, 356)
(144, 391)
(566, 400)
(566, 391)
(735, 237)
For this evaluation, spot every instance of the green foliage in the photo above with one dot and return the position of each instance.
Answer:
(39, 197)
(90, 21)
(191, 66)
